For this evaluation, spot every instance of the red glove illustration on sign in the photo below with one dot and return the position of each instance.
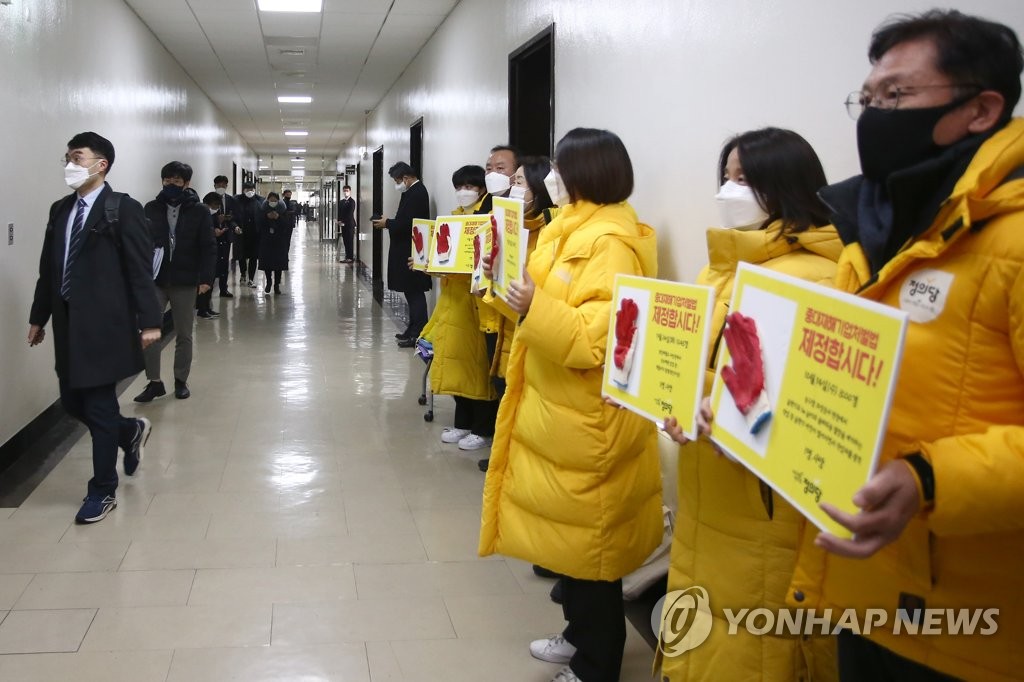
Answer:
(417, 240)
(495, 250)
(476, 251)
(444, 244)
(477, 279)
(745, 376)
(625, 342)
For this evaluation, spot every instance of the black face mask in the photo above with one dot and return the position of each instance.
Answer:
(172, 194)
(891, 140)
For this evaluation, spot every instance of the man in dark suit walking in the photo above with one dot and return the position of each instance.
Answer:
(415, 203)
(96, 284)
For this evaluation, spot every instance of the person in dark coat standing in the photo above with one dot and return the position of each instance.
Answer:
(224, 220)
(247, 236)
(415, 203)
(96, 284)
(347, 223)
(275, 236)
(183, 229)
(222, 231)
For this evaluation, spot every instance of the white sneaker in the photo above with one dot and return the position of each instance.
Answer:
(566, 675)
(554, 649)
(450, 434)
(474, 442)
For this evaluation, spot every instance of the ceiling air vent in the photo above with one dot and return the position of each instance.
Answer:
(292, 51)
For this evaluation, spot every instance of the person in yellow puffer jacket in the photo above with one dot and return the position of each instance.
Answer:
(539, 210)
(733, 535)
(460, 367)
(935, 226)
(575, 484)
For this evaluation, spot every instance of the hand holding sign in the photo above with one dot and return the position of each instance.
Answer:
(745, 376)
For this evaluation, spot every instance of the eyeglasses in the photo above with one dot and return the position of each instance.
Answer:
(77, 160)
(889, 98)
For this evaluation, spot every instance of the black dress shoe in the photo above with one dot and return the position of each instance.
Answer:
(406, 343)
(277, 290)
(403, 336)
(181, 390)
(207, 314)
(154, 389)
(542, 572)
(226, 294)
(483, 464)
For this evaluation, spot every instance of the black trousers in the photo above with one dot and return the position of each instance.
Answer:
(861, 660)
(597, 627)
(476, 415)
(346, 238)
(97, 408)
(417, 301)
(274, 275)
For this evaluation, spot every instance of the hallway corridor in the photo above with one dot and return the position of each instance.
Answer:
(295, 519)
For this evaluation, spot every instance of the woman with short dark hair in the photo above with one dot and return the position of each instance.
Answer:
(574, 484)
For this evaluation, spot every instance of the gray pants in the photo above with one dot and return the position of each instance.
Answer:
(183, 309)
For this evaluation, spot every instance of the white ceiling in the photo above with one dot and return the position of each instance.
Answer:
(351, 55)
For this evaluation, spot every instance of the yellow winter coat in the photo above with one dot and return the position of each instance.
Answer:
(460, 365)
(959, 401)
(574, 484)
(733, 536)
(509, 319)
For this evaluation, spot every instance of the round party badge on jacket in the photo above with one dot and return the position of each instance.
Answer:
(924, 294)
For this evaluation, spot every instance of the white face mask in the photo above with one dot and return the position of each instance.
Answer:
(75, 176)
(213, 211)
(466, 197)
(556, 189)
(497, 182)
(250, 193)
(348, 194)
(221, 190)
(738, 207)
(272, 204)
(517, 193)
(400, 187)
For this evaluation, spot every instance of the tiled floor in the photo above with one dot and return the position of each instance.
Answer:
(296, 519)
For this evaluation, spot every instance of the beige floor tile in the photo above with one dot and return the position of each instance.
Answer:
(450, 533)
(11, 587)
(383, 662)
(225, 553)
(7, 511)
(23, 528)
(344, 662)
(174, 504)
(361, 620)
(179, 627)
(355, 548)
(63, 557)
(124, 526)
(34, 632)
(107, 589)
(529, 616)
(273, 585)
(527, 579)
(368, 517)
(469, 660)
(312, 500)
(293, 525)
(435, 578)
(88, 666)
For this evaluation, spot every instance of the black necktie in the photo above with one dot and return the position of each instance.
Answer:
(74, 247)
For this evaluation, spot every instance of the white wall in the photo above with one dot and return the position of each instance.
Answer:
(674, 78)
(66, 67)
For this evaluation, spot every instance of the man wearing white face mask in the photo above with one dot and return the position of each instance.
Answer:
(96, 283)
(501, 166)
(415, 203)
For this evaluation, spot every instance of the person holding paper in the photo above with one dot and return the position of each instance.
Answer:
(934, 225)
(460, 367)
(539, 210)
(733, 535)
(574, 484)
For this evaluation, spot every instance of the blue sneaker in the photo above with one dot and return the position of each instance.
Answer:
(95, 509)
(133, 453)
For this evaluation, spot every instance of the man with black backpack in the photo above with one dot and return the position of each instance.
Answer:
(183, 229)
(96, 284)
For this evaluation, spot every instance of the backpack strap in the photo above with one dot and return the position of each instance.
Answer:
(112, 214)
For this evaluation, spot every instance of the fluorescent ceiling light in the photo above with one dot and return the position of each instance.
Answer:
(298, 168)
(296, 132)
(297, 150)
(264, 167)
(290, 5)
(287, 99)
(298, 174)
